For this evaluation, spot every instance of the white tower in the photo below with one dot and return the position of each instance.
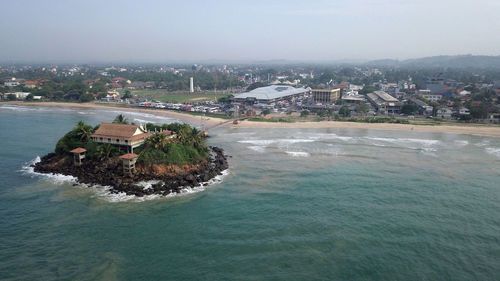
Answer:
(191, 85)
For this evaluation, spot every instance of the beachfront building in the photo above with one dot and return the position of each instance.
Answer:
(444, 113)
(326, 96)
(121, 135)
(353, 99)
(384, 102)
(423, 108)
(271, 94)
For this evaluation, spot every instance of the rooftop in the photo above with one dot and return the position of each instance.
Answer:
(78, 150)
(120, 131)
(272, 92)
(129, 156)
(385, 96)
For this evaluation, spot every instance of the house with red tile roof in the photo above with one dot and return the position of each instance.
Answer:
(126, 135)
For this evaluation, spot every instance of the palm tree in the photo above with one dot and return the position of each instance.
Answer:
(84, 131)
(104, 151)
(120, 119)
(196, 137)
(183, 136)
(158, 140)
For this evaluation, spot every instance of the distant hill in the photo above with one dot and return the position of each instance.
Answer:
(463, 61)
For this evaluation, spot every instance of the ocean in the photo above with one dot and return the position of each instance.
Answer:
(295, 204)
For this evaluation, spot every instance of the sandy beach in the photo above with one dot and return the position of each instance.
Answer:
(470, 129)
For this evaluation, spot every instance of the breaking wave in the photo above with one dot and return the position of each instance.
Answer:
(424, 142)
(297, 153)
(104, 192)
(257, 148)
(493, 151)
(149, 118)
(461, 142)
(276, 141)
(331, 137)
(54, 178)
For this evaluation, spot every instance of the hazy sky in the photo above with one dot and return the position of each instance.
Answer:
(162, 31)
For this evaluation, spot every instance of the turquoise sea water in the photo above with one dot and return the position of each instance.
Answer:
(297, 204)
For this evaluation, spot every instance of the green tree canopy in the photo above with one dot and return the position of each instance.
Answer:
(344, 111)
(120, 119)
(408, 109)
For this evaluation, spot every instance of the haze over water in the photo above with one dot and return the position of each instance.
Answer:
(297, 204)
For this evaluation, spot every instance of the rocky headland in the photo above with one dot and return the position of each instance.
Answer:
(172, 178)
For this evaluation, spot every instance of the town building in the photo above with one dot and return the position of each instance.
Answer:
(444, 112)
(272, 94)
(464, 111)
(464, 93)
(326, 96)
(11, 83)
(427, 94)
(354, 99)
(20, 95)
(122, 135)
(30, 84)
(384, 102)
(423, 108)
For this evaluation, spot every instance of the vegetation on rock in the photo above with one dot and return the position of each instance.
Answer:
(185, 146)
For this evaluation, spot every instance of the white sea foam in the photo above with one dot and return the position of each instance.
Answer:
(493, 151)
(482, 143)
(149, 116)
(15, 107)
(241, 134)
(86, 112)
(141, 121)
(258, 148)
(54, 178)
(148, 184)
(331, 137)
(461, 142)
(297, 153)
(275, 141)
(424, 142)
(104, 192)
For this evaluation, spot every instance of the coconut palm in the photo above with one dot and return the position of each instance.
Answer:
(104, 151)
(83, 131)
(120, 119)
(157, 140)
(196, 139)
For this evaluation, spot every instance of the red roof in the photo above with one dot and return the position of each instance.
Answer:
(129, 156)
(119, 131)
(115, 85)
(78, 150)
(34, 83)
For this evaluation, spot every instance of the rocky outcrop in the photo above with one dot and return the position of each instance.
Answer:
(110, 173)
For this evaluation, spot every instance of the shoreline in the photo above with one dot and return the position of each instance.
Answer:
(492, 131)
(110, 174)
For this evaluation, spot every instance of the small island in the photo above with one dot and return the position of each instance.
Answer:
(120, 155)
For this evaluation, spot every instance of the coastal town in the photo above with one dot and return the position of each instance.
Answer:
(250, 140)
(280, 93)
